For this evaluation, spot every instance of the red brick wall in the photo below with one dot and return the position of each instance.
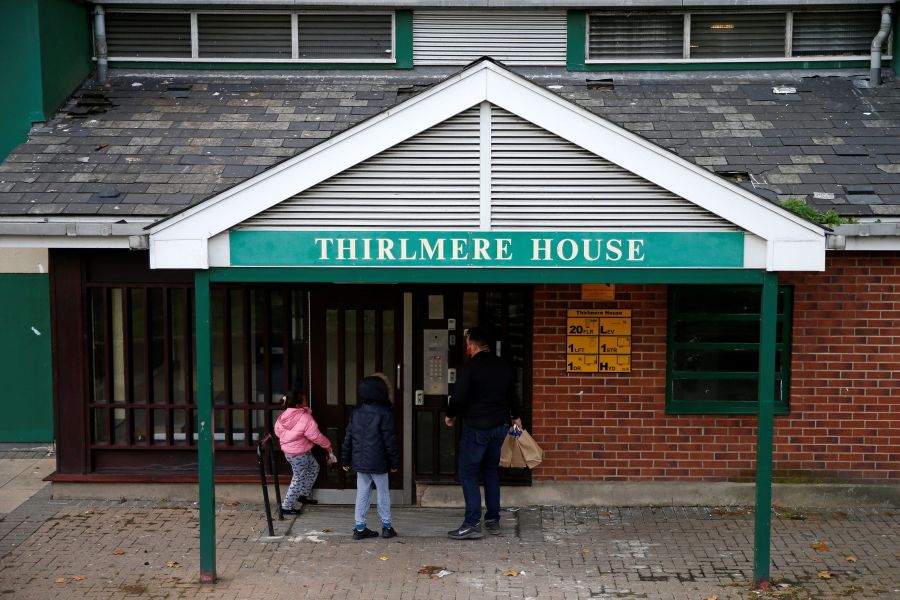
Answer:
(845, 390)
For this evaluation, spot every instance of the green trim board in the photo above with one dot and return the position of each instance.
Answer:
(403, 39)
(896, 50)
(687, 325)
(576, 40)
(487, 249)
(26, 358)
(267, 66)
(730, 66)
(497, 275)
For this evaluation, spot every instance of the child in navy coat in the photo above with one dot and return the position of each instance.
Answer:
(371, 449)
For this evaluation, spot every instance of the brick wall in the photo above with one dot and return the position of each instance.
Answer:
(845, 390)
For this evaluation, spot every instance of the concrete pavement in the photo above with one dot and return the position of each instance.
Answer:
(95, 549)
(21, 478)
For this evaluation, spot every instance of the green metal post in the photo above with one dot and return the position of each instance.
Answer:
(205, 444)
(766, 424)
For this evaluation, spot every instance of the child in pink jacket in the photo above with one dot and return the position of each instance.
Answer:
(298, 433)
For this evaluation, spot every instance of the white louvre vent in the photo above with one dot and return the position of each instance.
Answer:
(835, 32)
(635, 36)
(430, 181)
(736, 35)
(342, 36)
(512, 37)
(148, 35)
(260, 35)
(540, 180)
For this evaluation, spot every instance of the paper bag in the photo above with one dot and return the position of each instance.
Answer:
(520, 451)
(531, 452)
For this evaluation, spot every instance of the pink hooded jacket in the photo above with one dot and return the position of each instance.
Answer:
(299, 432)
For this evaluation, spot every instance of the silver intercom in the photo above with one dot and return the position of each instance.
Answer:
(436, 362)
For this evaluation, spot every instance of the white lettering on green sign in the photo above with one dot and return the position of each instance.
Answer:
(385, 249)
(542, 249)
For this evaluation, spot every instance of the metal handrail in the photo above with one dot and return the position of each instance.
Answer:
(266, 449)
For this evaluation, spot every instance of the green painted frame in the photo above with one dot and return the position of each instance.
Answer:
(472, 275)
(576, 56)
(721, 407)
(768, 323)
(403, 57)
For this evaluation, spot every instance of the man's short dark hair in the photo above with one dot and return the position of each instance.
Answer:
(479, 337)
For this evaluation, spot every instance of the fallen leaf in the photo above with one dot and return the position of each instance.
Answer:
(60, 580)
(820, 546)
(382, 557)
(327, 530)
(585, 550)
(173, 564)
(824, 575)
(429, 570)
(231, 504)
(713, 597)
(504, 557)
(851, 558)
(78, 578)
(118, 552)
(510, 573)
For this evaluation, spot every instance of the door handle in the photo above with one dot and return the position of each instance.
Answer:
(399, 381)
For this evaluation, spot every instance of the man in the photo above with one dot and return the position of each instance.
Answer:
(485, 396)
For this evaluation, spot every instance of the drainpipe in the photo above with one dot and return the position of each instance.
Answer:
(875, 68)
(100, 43)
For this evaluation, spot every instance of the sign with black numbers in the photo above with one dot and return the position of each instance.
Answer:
(598, 340)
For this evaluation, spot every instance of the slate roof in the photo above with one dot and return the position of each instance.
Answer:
(150, 146)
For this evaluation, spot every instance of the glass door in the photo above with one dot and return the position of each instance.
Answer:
(442, 317)
(356, 331)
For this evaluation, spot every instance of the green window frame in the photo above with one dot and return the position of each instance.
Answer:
(735, 36)
(712, 349)
(275, 39)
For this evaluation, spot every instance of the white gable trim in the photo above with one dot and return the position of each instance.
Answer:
(182, 241)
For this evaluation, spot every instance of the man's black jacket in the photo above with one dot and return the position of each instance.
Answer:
(485, 392)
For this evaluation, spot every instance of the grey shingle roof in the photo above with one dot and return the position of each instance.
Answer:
(166, 143)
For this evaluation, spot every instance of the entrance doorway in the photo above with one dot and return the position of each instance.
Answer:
(355, 331)
(441, 317)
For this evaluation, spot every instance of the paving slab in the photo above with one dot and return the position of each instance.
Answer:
(92, 549)
(21, 478)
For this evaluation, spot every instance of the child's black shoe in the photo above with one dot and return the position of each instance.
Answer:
(291, 511)
(361, 534)
(388, 532)
(308, 500)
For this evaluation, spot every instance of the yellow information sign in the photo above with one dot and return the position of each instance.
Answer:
(614, 364)
(581, 363)
(598, 340)
(614, 344)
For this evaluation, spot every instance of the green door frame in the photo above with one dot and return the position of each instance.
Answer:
(768, 320)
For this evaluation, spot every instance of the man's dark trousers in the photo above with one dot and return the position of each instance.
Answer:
(479, 456)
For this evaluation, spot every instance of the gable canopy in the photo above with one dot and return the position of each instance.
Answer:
(518, 176)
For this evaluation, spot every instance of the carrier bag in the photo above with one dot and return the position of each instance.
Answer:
(520, 451)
